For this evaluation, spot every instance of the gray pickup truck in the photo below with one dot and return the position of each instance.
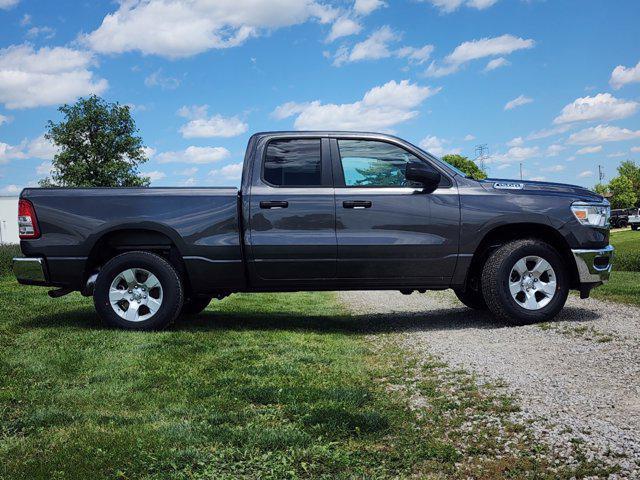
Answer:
(318, 211)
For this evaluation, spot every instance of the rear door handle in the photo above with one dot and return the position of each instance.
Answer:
(358, 204)
(274, 204)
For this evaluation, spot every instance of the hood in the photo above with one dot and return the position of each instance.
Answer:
(526, 186)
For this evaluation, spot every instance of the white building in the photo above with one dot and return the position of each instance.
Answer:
(9, 220)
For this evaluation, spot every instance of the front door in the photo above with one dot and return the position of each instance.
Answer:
(388, 230)
(292, 212)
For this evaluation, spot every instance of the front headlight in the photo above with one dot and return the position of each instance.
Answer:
(595, 215)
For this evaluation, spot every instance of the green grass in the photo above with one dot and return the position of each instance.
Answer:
(623, 287)
(627, 243)
(7, 253)
(260, 386)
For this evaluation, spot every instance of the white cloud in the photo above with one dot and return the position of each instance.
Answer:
(154, 175)
(448, 6)
(381, 108)
(517, 102)
(622, 75)
(343, 27)
(515, 142)
(46, 32)
(196, 155)
(602, 133)
(157, 79)
(203, 126)
(289, 109)
(10, 190)
(515, 154)
(378, 45)
(496, 63)
(41, 148)
(4, 119)
(635, 149)
(365, 7)
(554, 168)
(48, 76)
(548, 132)
(469, 137)
(476, 49)
(44, 169)
(149, 151)
(585, 174)
(603, 107)
(231, 172)
(374, 47)
(588, 150)
(437, 146)
(7, 4)
(554, 150)
(538, 179)
(181, 28)
(10, 152)
(414, 54)
(617, 155)
(188, 172)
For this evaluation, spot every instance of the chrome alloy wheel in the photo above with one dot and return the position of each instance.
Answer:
(532, 282)
(135, 295)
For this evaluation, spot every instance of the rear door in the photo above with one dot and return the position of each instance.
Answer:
(292, 211)
(388, 230)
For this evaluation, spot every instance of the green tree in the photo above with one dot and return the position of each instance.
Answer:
(467, 166)
(601, 189)
(98, 146)
(631, 170)
(621, 189)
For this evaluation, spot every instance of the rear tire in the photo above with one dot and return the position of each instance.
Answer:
(138, 291)
(634, 227)
(472, 299)
(526, 297)
(195, 305)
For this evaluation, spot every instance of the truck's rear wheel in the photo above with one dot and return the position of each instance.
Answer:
(138, 291)
(195, 305)
(525, 281)
(634, 227)
(472, 298)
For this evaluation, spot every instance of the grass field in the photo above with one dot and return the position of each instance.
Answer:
(627, 243)
(260, 386)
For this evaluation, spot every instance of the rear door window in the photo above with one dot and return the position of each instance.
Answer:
(293, 163)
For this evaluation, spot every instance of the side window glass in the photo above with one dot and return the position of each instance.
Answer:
(369, 163)
(293, 162)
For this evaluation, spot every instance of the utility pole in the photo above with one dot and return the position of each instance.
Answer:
(600, 173)
(520, 170)
(482, 154)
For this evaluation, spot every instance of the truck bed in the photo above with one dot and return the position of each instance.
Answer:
(201, 223)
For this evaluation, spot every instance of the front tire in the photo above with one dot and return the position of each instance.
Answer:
(138, 291)
(524, 282)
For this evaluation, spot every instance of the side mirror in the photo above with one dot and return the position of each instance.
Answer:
(417, 172)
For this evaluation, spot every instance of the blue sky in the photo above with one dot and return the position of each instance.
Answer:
(554, 85)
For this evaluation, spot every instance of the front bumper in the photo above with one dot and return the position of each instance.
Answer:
(30, 271)
(594, 266)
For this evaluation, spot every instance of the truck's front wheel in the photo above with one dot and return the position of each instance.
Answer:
(138, 291)
(525, 281)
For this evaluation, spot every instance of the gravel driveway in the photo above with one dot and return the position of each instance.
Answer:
(577, 378)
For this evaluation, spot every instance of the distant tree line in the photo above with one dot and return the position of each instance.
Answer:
(624, 190)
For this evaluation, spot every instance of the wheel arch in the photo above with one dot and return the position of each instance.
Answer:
(129, 238)
(500, 235)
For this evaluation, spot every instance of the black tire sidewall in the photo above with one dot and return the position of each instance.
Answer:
(515, 312)
(171, 290)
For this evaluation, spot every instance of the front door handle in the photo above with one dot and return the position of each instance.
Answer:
(274, 204)
(358, 204)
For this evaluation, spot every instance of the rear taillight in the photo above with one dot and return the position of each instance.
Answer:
(27, 220)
